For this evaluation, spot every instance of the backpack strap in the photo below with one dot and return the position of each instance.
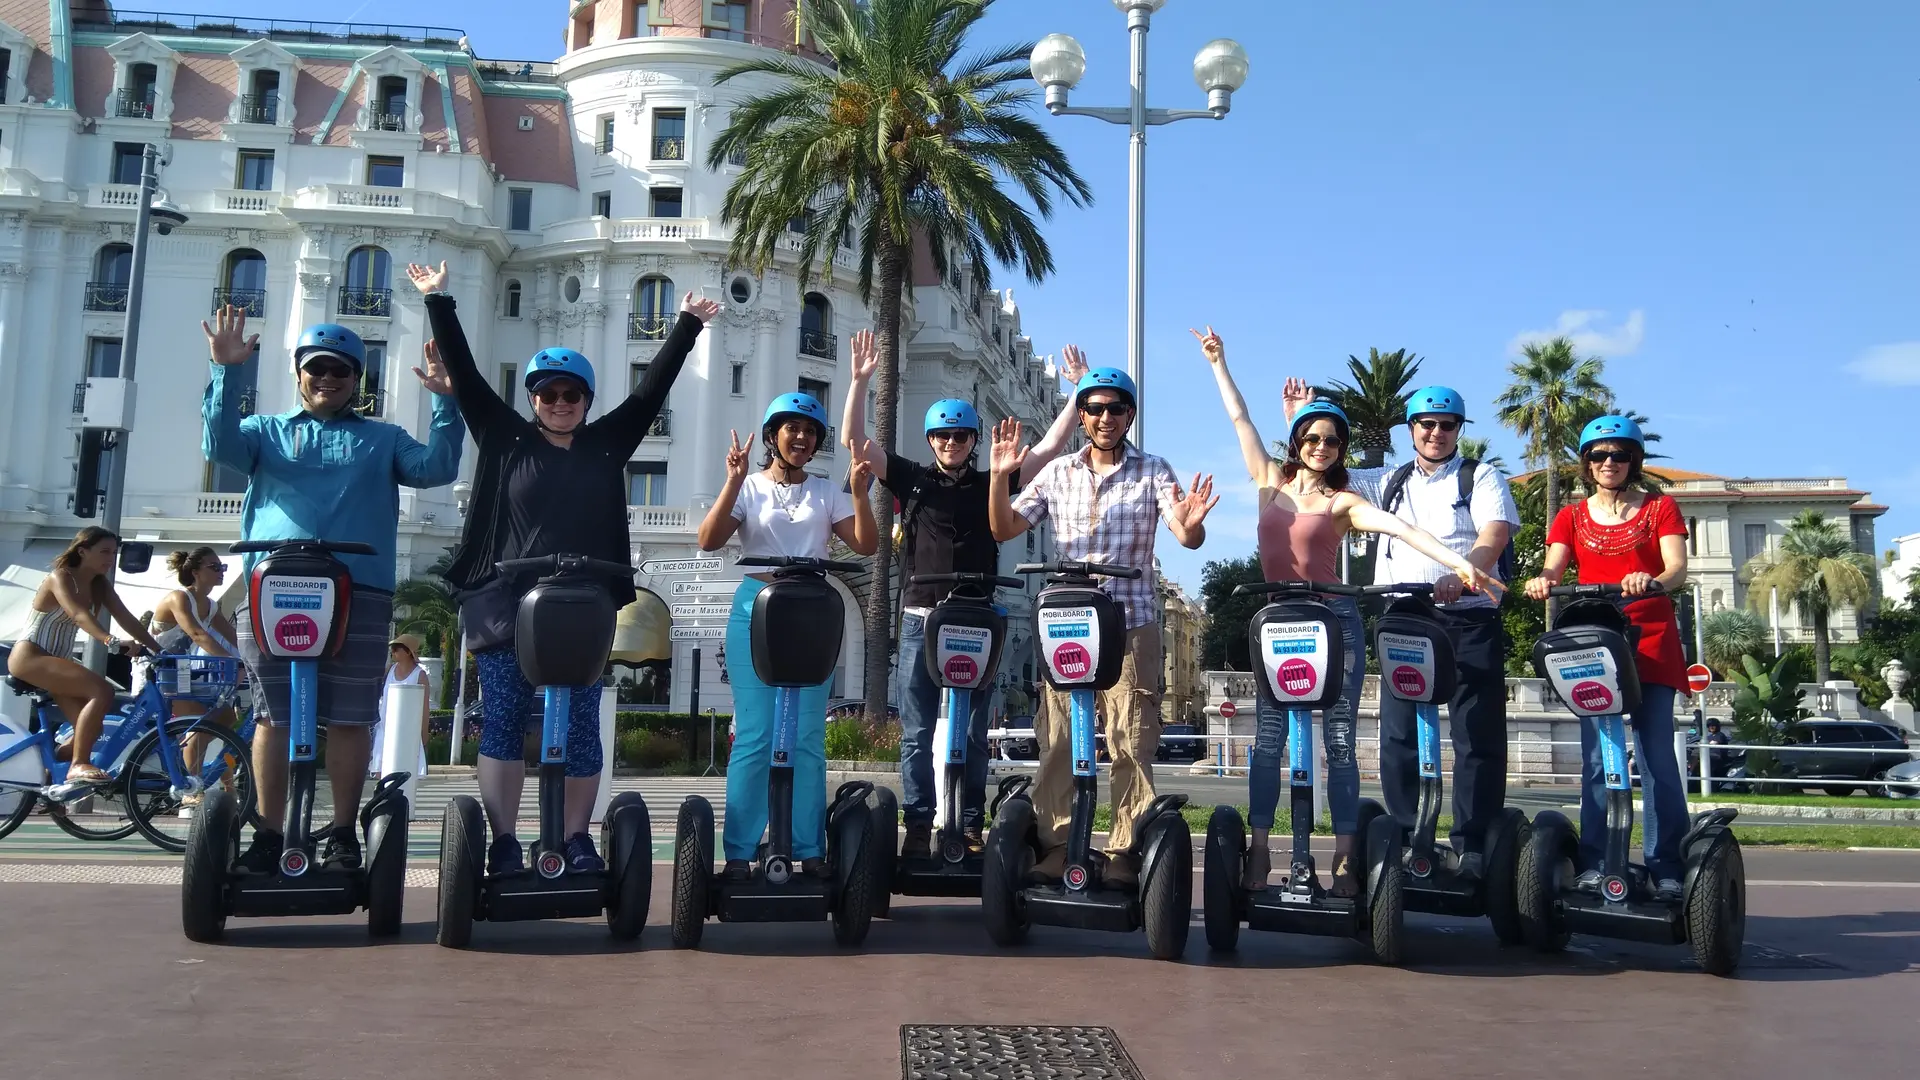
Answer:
(1390, 496)
(1468, 467)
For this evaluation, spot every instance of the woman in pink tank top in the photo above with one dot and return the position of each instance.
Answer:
(1305, 513)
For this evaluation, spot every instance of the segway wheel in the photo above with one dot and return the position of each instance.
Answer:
(387, 866)
(1386, 887)
(1504, 843)
(1220, 878)
(884, 840)
(1166, 888)
(463, 838)
(855, 882)
(213, 842)
(1716, 907)
(692, 871)
(1546, 866)
(628, 842)
(1003, 874)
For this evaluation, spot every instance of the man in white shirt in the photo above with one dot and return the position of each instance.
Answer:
(1474, 515)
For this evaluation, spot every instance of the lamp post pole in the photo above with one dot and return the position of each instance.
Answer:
(1220, 68)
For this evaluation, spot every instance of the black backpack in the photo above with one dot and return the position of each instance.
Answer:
(1396, 487)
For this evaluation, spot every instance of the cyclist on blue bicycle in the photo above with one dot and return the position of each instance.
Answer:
(322, 471)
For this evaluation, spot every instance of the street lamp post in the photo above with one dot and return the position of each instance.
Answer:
(167, 217)
(1220, 67)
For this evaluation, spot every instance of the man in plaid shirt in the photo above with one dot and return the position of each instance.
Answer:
(1106, 502)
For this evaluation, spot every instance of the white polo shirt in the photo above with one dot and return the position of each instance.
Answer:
(1429, 502)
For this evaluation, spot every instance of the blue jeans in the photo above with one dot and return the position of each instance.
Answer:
(919, 710)
(752, 752)
(1664, 822)
(1343, 771)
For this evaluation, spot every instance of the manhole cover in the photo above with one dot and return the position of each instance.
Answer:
(1012, 1053)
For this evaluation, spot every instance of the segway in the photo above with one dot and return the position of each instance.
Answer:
(300, 597)
(1588, 657)
(964, 636)
(562, 634)
(1082, 636)
(1417, 666)
(1298, 650)
(797, 623)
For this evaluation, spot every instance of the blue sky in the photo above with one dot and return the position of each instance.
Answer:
(1717, 196)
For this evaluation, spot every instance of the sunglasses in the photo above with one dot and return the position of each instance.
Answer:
(1098, 409)
(321, 369)
(1331, 442)
(549, 395)
(962, 435)
(1443, 425)
(1617, 457)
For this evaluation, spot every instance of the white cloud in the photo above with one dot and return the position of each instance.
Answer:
(1589, 333)
(1897, 364)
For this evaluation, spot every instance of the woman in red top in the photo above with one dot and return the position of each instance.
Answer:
(1621, 534)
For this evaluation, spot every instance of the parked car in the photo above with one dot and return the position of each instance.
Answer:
(1903, 781)
(1014, 741)
(1828, 750)
(1180, 742)
(842, 708)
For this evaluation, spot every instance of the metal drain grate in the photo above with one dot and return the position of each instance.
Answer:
(978, 1052)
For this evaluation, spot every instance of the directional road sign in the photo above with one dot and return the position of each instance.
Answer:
(701, 588)
(682, 566)
(702, 611)
(698, 633)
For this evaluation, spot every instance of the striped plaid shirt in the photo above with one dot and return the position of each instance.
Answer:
(1109, 519)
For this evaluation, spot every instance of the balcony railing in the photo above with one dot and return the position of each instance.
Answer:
(604, 146)
(644, 327)
(388, 121)
(819, 343)
(243, 200)
(106, 296)
(134, 102)
(366, 303)
(106, 18)
(662, 426)
(251, 301)
(260, 109)
(520, 71)
(372, 403)
(669, 147)
(657, 519)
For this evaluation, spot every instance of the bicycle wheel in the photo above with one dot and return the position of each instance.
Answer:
(157, 805)
(15, 805)
(101, 816)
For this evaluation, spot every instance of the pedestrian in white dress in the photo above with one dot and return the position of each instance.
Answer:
(405, 670)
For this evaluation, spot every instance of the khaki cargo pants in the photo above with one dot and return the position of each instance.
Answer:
(1131, 710)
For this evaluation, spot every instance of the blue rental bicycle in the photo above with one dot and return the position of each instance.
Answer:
(142, 748)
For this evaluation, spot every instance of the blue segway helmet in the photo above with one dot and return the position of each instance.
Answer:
(952, 414)
(331, 338)
(805, 406)
(1314, 410)
(1106, 378)
(555, 363)
(1605, 428)
(1436, 401)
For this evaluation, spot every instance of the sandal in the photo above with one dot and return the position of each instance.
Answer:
(1259, 865)
(1345, 882)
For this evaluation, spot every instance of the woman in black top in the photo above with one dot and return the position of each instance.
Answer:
(554, 484)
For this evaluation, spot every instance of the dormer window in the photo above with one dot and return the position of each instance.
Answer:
(391, 89)
(263, 93)
(16, 52)
(142, 79)
(390, 112)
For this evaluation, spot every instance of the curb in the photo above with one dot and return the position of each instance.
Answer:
(1803, 813)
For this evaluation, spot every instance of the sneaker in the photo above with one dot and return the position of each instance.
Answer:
(919, 842)
(1471, 866)
(976, 844)
(581, 854)
(263, 855)
(738, 871)
(504, 857)
(814, 868)
(1051, 867)
(1668, 889)
(342, 848)
(1587, 882)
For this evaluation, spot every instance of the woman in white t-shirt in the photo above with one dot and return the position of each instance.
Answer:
(780, 510)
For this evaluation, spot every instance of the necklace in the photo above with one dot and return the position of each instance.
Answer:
(791, 503)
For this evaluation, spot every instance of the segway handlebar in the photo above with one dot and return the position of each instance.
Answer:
(341, 547)
(998, 581)
(1078, 569)
(789, 562)
(1335, 588)
(564, 564)
(1607, 590)
(1402, 588)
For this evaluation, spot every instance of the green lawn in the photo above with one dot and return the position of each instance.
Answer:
(1834, 837)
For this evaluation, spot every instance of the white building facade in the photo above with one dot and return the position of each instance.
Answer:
(571, 201)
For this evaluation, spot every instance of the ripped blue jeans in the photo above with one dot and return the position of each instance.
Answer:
(1269, 765)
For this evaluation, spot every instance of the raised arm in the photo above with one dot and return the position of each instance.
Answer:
(479, 403)
(1054, 442)
(1007, 458)
(853, 418)
(225, 439)
(1253, 448)
(1185, 514)
(1362, 516)
(719, 525)
(859, 531)
(629, 421)
(438, 462)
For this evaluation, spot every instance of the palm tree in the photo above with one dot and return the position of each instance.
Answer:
(1817, 569)
(1729, 634)
(1481, 450)
(1375, 402)
(914, 144)
(1553, 394)
(425, 606)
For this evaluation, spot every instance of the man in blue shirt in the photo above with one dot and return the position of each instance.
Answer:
(322, 471)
